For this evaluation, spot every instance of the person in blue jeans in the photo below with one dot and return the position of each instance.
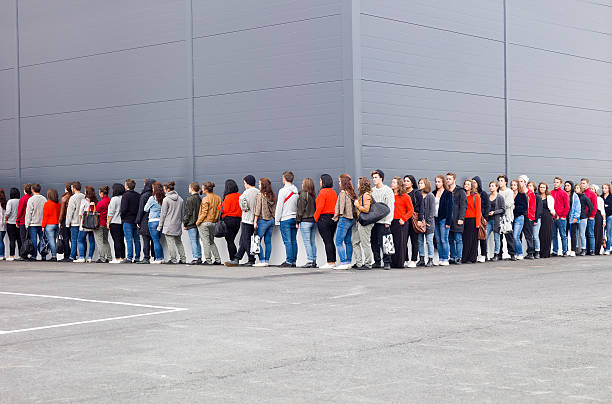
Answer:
(286, 210)
(192, 208)
(51, 233)
(455, 236)
(153, 207)
(305, 220)
(130, 202)
(36, 235)
(345, 216)
(263, 220)
(521, 206)
(606, 195)
(443, 214)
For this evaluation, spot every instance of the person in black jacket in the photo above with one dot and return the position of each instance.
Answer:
(455, 236)
(192, 208)
(521, 207)
(485, 208)
(129, 211)
(142, 221)
(443, 216)
(586, 208)
(417, 202)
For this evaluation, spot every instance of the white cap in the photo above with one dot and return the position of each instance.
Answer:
(524, 178)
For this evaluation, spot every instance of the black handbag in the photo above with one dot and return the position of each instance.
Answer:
(377, 211)
(60, 244)
(43, 246)
(91, 218)
(27, 248)
(220, 229)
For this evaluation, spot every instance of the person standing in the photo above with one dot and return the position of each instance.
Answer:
(247, 226)
(521, 208)
(484, 209)
(362, 248)
(400, 225)
(73, 218)
(265, 206)
(428, 212)
(607, 200)
(443, 215)
(286, 209)
(586, 207)
(11, 222)
(573, 217)
(21, 213)
(207, 217)
(529, 221)
(455, 236)
(546, 220)
(344, 214)
(600, 220)
(586, 189)
(381, 194)
(231, 214)
(192, 209)
(153, 208)
(497, 209)
(537, 223)
(326, 204)
(508, 196)
(113, 222)
(101, 233)
(562, 207)
(170, 224)
(410, 185)
(50, 222)
(87, 204)
(473, 215)
(130, 202)
(34, 217)
(306, 208)
(142, 222)
(3, 203)
(64, 228)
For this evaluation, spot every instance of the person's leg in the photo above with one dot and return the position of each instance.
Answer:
(23, 235)
(81, 244)
(563, 225)
(136, 238)
(517, 230)
(92, 244)
(421, 239)
(13, 237)
(2, 246)
(248, 231)
(348, 242)
(452, 245)
(438, 236)
(180, 249)
(591, 235)
(459, 244)
(293, 240)
(155, 236)
(74, 241)
(306, 228)
(536, 235)
(98, 239)
(206, 250)
(194, 241)
(444, 240)
(528, 232)
(555, 236)
(129, 240)
(211, 240)
(146, 246)
(376, 242)
(496, 241)
(269, 228)
(284, 229)
(232, 228)
(243, 247)
(365, 236)
(325, 225)
(357, 254)
(172, 249)
(582, 232)
(609, 233)
(342, 229)
(34, 237)
(51, 232)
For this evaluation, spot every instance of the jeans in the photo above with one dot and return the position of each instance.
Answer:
(536, 235)
(496, 238)
(36, 234)
(307, 230)
(519, 222)
(194, 238)
(132, 240)
(264, 231)
(289, 234)
(2, 233)
(344, 245)
(51, 232)
(582, 237)
(423, 238)
(455, 241)
(156, 236)
(608, 232)
(74, 240)
(83, 235)
(560, 230)
(591, 234)
(441, 233)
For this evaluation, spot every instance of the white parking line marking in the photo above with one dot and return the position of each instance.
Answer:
(163, 311)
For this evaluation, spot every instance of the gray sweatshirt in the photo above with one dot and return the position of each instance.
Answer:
(114, 210)
(247, 204)
(385, 195)
(11, 211)
(73, 217)
(429, 208)
(508, 196)
(172, 212)
(286, 210)
(34, 210)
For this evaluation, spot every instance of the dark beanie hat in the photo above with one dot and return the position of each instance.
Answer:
(249, 179)
(380, 173)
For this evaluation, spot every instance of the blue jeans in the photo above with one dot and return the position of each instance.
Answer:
(51, 231)
(560, 230)
(83, 235)
(496, 236)
(344, 234)
(194, 238)
(74, 240)
(307, 230)
(36, 234)
(2, 233)
(608, 232)
(441, 233)
(519, 222)
(591, 234)
(582, 233)
(264, 231)
(156, 236)
(430, 247)
(456, 244)
(132, 239)
(536, 235)
(289, 234)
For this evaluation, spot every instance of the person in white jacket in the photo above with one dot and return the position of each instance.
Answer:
(381, 194)
(286, 210)
(73, 218)
(34, 217)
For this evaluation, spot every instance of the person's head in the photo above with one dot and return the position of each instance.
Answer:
(585, 182)
(378, 176)
(230, 187)
(493, 186)
(27, 189)
(523, 180)
(578, 188)
(409, 182)
(425, 185)
(364, 185)
(532, 186)
(502, 181)
(440, 182)
(265, 187)
(90, 194)
(468, 187)
(14, 193)
(52, 195)
(595, 188)
(103, 191)
(543, 189)
(3, 198)
(208, 187)
(76, 187)
(249, 181)
(451, 179)
(605, 190)
(308, 186)
(130, 184)
(346, 185)
(514, 185)
(397, 185)
(194, 188)
(169, 186)
(68, 187)
(118, 189)
(557, 182)
(568, 187)
(326, 181)
(36, 188)
(288, 177)
(158, 192)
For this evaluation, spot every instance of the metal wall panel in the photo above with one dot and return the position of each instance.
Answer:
(8, 94)
(65, 29)
(8, 161)
(8, 35)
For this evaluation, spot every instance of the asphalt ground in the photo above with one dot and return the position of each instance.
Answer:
(535, 331)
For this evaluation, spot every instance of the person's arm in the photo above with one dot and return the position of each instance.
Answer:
(28, 213)
(450, 202)
(203, 211)
(279, 206)
(301, 206)
(419, 207)
(462, 208)
(147, 207)
(162, 216)
(188, 211)
(319, 206)
(478, 208)
(409, 210)
(589, 209)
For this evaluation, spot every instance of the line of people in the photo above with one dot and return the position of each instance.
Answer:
(414, 218)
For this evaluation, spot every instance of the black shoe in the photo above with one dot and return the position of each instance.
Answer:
(195, 262)
(294, 265)
(555, 255)
(182, 263)
(377, 265)
(364, 268)
(530, 257)
(582, 253)
(355, 266)
(125, 261)
(537, 255)
(144, 261)
(99, 261)
(458, 261)
(421, 262)
(65, 259)
(451, 261)
(249, 264)
(513, 258)
(429, 263)
(387, 267)
(495, 258)
(53, 260)
(205, 263)
(591, 253)
(285, 265)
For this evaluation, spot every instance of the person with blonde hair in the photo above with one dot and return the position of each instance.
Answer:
(362, 247)
(305, 221)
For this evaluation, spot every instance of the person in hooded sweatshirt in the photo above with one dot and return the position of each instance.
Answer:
(130, 202)
(171, 224)
(73, 217)
(142, 221)
(286, 211)
(34, 217)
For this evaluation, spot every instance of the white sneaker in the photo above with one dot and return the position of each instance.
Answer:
(10, 259)
(481, 259)
(261, 264)
(157, 262)
(605, 253)
(520, 257)
(444, 263)
(411, 264)
(115, 262)
(572, 253)
(79, 260)
(2, 259)
(343, 266)
(327, 266)
(89, 260)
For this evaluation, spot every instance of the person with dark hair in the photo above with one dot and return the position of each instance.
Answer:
(400, 225)
(362, 247)
(410, 185)
(21, 213)
(64, 229)
(192, 208)
(153, 209)
(86, 238)
(429, 210)
(455, 236)
(508, 196)
(130, 203)
(600, 215)
(344, 214)
(606, 196)
(546, 223)
(443, 217)
(586, 207)
(231, 214)
(207, 217)
(573, 217)
(473, 215)
(113, 222)
(305, 221)
(588, 192)
(2, 222)
(530, 216)
(247, 227)
(73, 217)
(382, 194)
(265, 206)
(537, 223)
(286, 210)
(11, 222)
(170, 221)
(497, 209)
(324, 213)
(485, 206)
(50, 222)
(34, 217)
(142, 221)
(562, 207)
(101, 234)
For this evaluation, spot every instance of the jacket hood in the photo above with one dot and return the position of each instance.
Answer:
(172, 195)
(479, 182)
(293, 188)
(148, 187)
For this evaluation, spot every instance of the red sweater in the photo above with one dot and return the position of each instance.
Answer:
(593, 197)
(231, 206)
(473, 208)
(531, 201)
(21, 209)
(51, 211)
(403, 207)
(102, 208)
(326, 203)
(562, 203)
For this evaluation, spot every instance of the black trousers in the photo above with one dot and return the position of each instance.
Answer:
(244, 243)
(573, 228)
(23, 235)
(400, 241)
(470, 241)
(327, 228)
(13, 235)
(509, 244)
(528, 234)
(65, 233)
(116, 231)
(599, 232)
(233, 225)
(148, 248)
(414, 242)
(378, 231)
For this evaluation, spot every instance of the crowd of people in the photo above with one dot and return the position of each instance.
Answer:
(414, 219)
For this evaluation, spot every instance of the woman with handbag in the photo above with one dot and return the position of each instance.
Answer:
(497, 209)
(402, 216)
(429, 207)
(231, 215)
(88, 204)
(443, 217)
(484, 209)
(362, 247)
(473, 215)
(171, 224)
(265, 206)
(101, 233)
(207, 217)
(410, 185)
(344, 215)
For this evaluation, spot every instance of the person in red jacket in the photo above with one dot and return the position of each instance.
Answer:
(232, 214)
(402, 214)
(21, 211)
(530, 221)
(324, 213)
(590, 230)
(101, 234)
(50, 222)
(562, 207)
(473, 216)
